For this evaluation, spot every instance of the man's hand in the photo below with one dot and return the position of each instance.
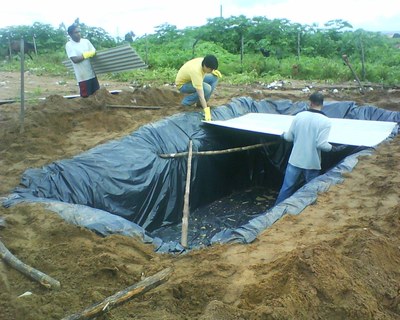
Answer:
(217, 73)
(88, 54)
(207, 114)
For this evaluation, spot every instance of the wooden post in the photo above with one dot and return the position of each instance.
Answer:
(9, 48)
(146, 57)
(22, 113)
(298, 44)
(185, 218)
(363, 72)
(34, 44)
(241, 50)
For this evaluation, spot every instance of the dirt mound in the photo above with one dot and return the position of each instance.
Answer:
(57, 128)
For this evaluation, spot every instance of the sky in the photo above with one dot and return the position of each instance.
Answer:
(118, 17)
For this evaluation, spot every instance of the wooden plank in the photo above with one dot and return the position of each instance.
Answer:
(132, 107)
(7, 101)
(72, 96)
(123, 296)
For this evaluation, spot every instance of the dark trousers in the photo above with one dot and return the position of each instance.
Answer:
(88, 87)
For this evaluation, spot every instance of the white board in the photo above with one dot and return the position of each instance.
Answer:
(366, 133)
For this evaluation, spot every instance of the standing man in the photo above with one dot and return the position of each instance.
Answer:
(309, 132)
(80, 50)
(198, 77)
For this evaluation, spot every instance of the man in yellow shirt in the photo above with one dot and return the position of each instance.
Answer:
(198, 78)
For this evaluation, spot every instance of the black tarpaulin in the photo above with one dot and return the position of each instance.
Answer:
(127, 178)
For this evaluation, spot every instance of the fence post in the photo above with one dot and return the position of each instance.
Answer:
(22, 113)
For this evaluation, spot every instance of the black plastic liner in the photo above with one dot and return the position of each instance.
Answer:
(125, 187)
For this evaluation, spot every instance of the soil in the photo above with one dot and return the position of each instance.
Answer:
(338, 259)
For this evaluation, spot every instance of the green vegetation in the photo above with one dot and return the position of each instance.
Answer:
(296, 51)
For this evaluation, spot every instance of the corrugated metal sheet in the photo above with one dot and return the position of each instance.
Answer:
(121, 58)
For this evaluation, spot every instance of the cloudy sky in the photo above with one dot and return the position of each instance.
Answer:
(118, 17)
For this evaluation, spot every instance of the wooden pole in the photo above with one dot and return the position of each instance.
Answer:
(363, 72)
(123, 296)
(37, 275)
(9, 48)
(34, 44)
(132, 107)
(185, 218)
(22, 114)
(347, 62)
(241, 50)
(298, 44)
(207, 153)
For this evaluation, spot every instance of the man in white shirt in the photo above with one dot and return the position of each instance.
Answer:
(80, 51)
(309, 133)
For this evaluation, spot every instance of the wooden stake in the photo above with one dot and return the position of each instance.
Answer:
(22, 113)
(205, 153)
(37, 275)
(123, 296)
(185, 218)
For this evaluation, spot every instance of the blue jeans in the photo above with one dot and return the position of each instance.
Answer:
(209, 83)
(292, 179)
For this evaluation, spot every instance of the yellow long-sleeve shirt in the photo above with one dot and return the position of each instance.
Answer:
(191, 71)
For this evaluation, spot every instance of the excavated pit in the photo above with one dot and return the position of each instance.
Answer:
(125, 187)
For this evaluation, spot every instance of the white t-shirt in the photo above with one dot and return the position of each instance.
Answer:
(83, 70)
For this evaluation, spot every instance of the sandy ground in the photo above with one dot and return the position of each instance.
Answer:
(338, 259)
